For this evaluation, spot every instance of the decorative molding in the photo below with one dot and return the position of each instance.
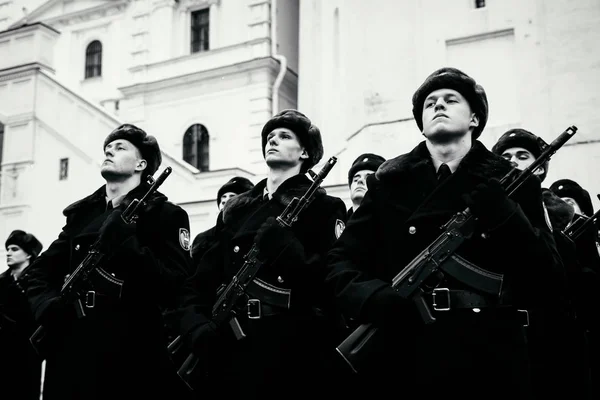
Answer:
(203, 76)
(188, 5)
(21, 71)
(103, 10)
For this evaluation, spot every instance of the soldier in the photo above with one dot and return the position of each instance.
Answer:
(557, 341)
(117, 351)
(571, 192)
(287, 335)
(476, 348)
(587, 301)
(232, 188)
(21, 366)
(364, 165)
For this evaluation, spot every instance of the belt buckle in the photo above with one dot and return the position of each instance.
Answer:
(435, 299)
(526, 314)
(90, 299)
(254, 309)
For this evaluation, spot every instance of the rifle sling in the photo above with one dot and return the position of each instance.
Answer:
(473, 276)
(269, 294)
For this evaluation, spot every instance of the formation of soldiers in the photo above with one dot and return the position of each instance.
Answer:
(509, 313)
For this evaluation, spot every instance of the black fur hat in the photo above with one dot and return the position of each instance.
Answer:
(366, 161)
(237, 185)
(521, 138)
(569, 188)
(25, 241)
(146, 144)
(452, 78)
(308, 134)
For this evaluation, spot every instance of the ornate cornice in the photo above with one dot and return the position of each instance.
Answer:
(186, 5)
(103, 10)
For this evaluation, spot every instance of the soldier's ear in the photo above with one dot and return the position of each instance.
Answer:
(474, 123)
(304, 155)
(141, 165)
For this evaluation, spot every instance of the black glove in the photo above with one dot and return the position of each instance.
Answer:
(490, 204)
(203, 339)
(114, 231)
(275, 242)
(388, 309)
(57, 313)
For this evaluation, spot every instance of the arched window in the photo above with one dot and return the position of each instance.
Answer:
(195, 147)
(93, 60)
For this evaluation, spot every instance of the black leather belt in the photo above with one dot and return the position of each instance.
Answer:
(92, 299)
(258, 309)
(445, 299)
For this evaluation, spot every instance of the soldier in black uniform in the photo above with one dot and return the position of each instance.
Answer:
(117, 351)
(285, 352)
(203, 240)
(556, 335)
(20, 365)
(364, 165)
(588, 247)
(476, 348)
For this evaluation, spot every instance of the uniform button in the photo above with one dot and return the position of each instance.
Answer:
(279, 279)
(77, 247)
(412, 230)
(236, 249)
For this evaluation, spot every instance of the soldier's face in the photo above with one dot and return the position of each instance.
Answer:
(358, 186)
(521, 158)
(224, 198)
(16, 256)
(122, 160)
(447, 115)
(283, 149)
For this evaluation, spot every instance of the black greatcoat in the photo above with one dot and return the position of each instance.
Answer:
(118, 351)
(21, 367)
(466, 354)
(283, 355)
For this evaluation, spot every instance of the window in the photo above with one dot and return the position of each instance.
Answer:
(195, 147)
(479, 3)
(93, 60)
(199, 34)
(63, 172)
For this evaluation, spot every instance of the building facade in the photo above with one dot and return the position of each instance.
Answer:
(203, 76)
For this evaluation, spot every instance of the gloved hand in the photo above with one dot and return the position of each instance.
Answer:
(56, 313)
(114, 231)
(203, 339)
(490, 204)
(276, 243)
(388, 309)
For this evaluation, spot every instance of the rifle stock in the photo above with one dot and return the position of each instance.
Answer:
(412, 279)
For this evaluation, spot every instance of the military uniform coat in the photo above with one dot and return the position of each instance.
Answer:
(118, 351)
(464, 353)
(20, 365)
(283, 354)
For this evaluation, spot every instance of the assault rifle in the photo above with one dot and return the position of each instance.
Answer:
(77, 283)
(224, 309)
(438, 258)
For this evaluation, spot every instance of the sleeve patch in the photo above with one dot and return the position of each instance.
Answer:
(339, 228)
(184, 239)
